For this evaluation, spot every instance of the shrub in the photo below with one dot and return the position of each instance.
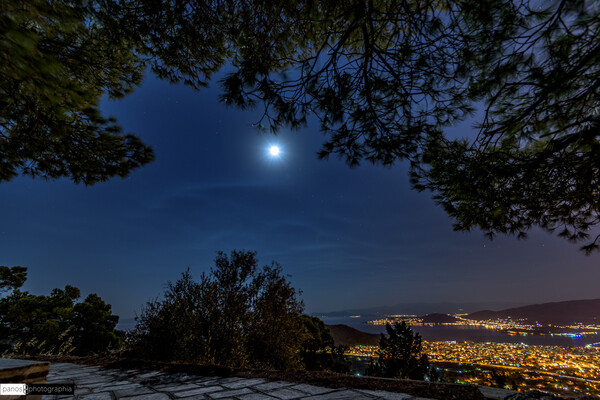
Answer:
(236, 315)
(318, 351)
(400, 354)
(55, 324)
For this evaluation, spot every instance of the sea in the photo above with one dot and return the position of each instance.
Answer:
(458, 333)
(443, 333)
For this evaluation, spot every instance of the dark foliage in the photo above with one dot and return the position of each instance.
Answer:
(59, 59)
(56, 324)
(383, 78)
(318, 351)
(319, 337)
(94, 326)
(12, 278)
(237, 315)
(400, 354)
(535, 159)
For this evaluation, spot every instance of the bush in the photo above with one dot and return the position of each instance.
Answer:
(236, 315)
(318, 351)
(400, 354)
(54, 324)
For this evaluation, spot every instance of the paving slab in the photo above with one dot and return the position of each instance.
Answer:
(134, 391)
(193, 392)
(209, 382)
(229, 393)
(495, 393)
(176, 387)
(96, 383)
(310, 389)
(153, 396)
(96, 396)
(387, 395)
(230, 380)
(286, 394)
(242, 383)
(341, 394)
(272, 385)
(256, 396)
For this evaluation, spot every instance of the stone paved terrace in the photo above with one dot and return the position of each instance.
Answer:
(96, 383)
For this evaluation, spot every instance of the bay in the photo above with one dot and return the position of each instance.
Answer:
(459, 333)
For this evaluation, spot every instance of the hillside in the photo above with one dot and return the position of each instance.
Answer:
(347, 336)
(438, 318)
(564, 312)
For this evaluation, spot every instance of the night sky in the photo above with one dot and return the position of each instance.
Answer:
(349, 238)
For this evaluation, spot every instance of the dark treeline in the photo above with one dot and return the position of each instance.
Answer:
(384, 80)
(56, 324)
(237, 315)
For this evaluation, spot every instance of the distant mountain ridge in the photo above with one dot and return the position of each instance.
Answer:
(420, 308)
(437, 318)
(557, 313)
(348, 336)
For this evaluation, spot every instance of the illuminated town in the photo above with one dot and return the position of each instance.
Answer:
(508, 326)
(554, 369)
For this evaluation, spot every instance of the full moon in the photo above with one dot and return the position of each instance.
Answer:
(274, 151)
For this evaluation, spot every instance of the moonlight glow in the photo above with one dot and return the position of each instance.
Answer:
(274, 151)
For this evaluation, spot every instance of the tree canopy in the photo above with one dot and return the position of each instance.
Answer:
(318, 351)
(401, 355)
(237, 315)
(12, 278)
(59, 59)
(55, 324)
(385, 79)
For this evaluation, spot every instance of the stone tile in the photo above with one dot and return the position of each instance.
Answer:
(119, 383)
(230, 393)
(59, 379)
(272, 385)
(173, 378)
(78, 376)
(96, 396)
(89, 370)
(229, 380)
(256, 396)
(153, 396)
(175, 387)
(61, 365)
(83, 371)
(133, 391)
(310, 389)
(202, 390)
(495, 393)
(106, 384)
(148, 374)
(59, 376)
(242, 383)
(112, 386)
(205, 378)
(207, 382)
(287, 393)
(386, 395)
(94, 382)
(82, 391)
(342, 394)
